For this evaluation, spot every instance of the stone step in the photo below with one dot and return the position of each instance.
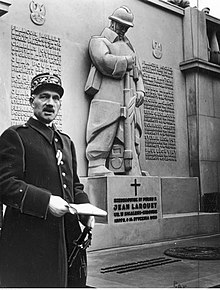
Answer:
(170, 226)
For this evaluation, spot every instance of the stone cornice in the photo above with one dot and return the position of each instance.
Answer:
(166, 5)
(4, 6)
(199, 65)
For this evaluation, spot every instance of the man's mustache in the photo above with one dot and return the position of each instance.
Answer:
(49, 109)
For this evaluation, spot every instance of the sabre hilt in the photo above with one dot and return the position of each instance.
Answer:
(80, 244)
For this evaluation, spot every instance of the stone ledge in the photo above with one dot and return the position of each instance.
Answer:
(4, 5)
(166, 5)
(213, 19)
(170, 228)
(199, 64)
(177, 215)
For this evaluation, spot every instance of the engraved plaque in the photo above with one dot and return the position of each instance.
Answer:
(159, 114)
(137, 209)
(32, 53)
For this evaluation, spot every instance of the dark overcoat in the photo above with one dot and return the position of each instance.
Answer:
(34, 244)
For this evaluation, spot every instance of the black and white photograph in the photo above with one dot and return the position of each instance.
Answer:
(110, 144)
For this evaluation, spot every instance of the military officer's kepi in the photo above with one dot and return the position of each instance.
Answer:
(46, 80)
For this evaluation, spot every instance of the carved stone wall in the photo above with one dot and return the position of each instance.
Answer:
(159, 114)
(32, 53)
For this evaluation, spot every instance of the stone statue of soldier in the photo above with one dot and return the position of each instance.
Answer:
(115, 82)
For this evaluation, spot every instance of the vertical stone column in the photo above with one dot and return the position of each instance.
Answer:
(195, 48)
(192, 79)
(195, 35)
(202, 83)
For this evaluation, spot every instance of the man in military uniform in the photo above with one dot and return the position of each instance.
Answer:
(113, 58)
(38, 179)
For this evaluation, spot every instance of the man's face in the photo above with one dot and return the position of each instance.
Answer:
(120, 29)
(46, 105)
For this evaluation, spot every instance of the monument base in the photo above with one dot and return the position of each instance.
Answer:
(146, 210)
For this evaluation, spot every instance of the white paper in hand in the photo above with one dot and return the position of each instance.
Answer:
(86, 209)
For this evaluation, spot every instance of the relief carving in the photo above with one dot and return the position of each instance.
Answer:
(115, 83)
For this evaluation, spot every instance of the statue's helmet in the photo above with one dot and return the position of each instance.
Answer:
(123, 15)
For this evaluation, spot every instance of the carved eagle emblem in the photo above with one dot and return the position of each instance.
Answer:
(38, 12)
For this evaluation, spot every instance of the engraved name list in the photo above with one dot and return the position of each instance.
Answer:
(32, 53)
(159, 115)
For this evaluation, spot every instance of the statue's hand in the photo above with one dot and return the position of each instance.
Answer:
(130, 62)
(139, 98)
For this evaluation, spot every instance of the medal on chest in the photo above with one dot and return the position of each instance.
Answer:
(59, 156)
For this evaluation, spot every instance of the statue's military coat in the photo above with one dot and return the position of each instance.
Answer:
(34, 244)
(110, 61)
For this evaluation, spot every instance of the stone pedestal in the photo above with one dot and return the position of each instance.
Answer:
(146, 209)
(127, 199)
(133, 205)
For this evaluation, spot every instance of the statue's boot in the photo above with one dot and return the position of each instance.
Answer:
(97, 168)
